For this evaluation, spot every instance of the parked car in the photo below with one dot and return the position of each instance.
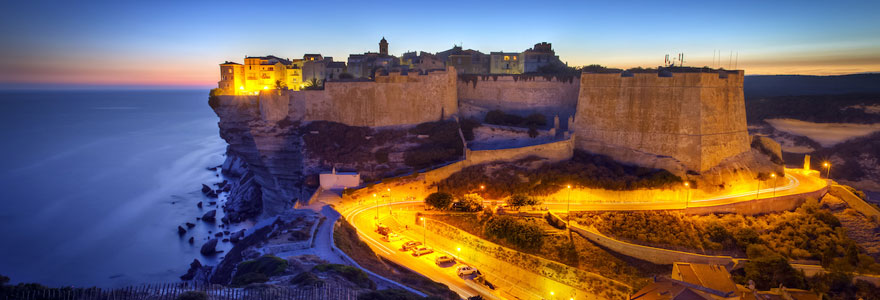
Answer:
(390, 237)
(410, 245)
(383, 230)
(444, 259)
(422, 251)
(466, 270)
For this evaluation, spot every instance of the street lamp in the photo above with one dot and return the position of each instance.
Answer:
(687, 197)
(377, 205)
(827, 166)
(568, 226)
(773, 175)
(389, 200)
(425, 231)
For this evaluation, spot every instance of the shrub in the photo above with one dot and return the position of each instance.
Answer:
(519, 233)
(470, 202)
(192, 295)
(467, 128)
(352, 274)
(769, 269)
(306, 279)
(439, 200)
(258, 270)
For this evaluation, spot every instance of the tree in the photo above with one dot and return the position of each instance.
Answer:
(314, 84)
(519, 200)
(470, 202)
(280, 85)
(439, 200)
(768, 269)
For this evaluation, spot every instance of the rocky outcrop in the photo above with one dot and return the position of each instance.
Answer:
(209, 247)
(245, 199)
(270, 151)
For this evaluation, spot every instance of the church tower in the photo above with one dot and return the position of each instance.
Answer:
(383, 47)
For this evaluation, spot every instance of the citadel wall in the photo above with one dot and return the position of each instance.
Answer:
(689, 121)
(391, 100)
(518, 94)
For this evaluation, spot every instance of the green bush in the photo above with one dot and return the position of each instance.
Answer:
(769, 269)
(470, 202)
(515, 231)
(439, 200)
(306, 279)
(519, 200)
(242, 279)
(352, 274)
(192, 295)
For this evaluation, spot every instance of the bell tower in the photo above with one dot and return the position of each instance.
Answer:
(383, 47)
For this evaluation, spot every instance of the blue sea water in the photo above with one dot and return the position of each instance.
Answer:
(93, 185)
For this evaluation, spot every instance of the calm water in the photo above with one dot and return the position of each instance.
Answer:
(94, 184)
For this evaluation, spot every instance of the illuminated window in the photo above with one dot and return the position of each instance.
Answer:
(506, 57)
(230, 70)
(514, 58)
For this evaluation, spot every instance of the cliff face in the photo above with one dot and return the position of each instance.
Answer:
(270, 153)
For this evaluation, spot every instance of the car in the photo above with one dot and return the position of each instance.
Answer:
(422, 251)
(383, 230)
(444, 259)
(466, 270)
(390, 237)
(410, 245)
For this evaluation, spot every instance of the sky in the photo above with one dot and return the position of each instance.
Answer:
(179, 44)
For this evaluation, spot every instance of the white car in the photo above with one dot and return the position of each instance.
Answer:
(390, 237)
(422, 251)
(444, 259)
(466, 270)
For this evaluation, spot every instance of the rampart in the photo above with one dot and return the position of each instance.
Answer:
(521, 94)
(692, 120)
(390, 100)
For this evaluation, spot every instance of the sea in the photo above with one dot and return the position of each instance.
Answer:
(93, 185)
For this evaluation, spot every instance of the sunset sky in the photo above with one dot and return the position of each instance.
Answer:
(147, 44)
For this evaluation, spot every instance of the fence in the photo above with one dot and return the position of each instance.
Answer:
(170, 291)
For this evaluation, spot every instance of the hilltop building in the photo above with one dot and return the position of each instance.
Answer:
(465, 61)
(259, 73)
(540, 56)
(365, 65)
(423, 61)
(505, 63)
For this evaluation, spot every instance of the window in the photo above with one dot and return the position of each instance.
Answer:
(506, 57)
(271, 68)
(514, 58)
(230, 70)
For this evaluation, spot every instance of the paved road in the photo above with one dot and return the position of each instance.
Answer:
(363, 219)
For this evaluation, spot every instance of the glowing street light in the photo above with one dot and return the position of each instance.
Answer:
(389, 200)
(687, 197)
(773, 175)
(377, 205)
(827, 166)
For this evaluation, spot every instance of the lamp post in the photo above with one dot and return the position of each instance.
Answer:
(482, 192)
(773, 175)
(568, 226)
(425, 231)
(827, 166)
(758, 191)
(377, 205)
(389, 200)
(687, 194)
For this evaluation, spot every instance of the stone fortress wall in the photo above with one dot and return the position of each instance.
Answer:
(686, 121)
(390, 100)
(519, 94)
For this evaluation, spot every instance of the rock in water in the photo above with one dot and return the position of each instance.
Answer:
(190, 225)
(192, 240)
(237, 236)
(180, 230)
(209, 248)
(210, 216)
(193, 268)
(206, 189)
(200, 204)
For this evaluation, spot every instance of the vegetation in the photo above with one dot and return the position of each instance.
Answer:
(352, 274)
(521, 234)
(443, 144)
(439, 200)
(810, 232)
(469, 203)
(584, 169)
(306, 279)
(498, 117)
(576, 251)
(314, 84)
(768, 269)
(258, 270)
(519, 200)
